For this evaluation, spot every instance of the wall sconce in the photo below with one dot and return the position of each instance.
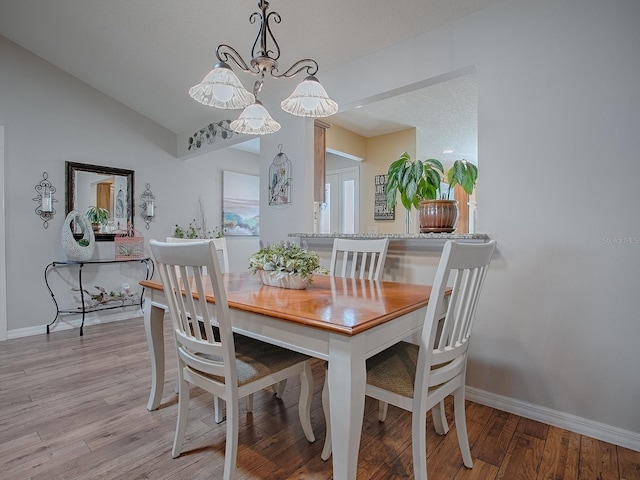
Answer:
(45, 200)
(148, 206)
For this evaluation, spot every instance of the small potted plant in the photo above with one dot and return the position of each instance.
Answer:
(286, 265)
(419, 185)
(193, 232)
(97, 216)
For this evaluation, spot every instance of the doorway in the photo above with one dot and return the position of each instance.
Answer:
(340, 213)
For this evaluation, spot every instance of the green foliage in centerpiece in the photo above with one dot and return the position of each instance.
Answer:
(286, 258)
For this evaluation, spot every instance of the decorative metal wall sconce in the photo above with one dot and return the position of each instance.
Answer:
(45, 200)
(148, 206)
(280, 180)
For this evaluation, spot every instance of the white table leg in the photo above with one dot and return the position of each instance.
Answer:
(154, 328)
(347, 380)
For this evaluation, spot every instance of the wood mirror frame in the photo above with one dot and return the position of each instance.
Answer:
(72, 170)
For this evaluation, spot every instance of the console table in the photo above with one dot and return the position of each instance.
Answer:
(110, 304)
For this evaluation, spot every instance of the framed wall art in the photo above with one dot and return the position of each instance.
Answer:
(240, 203)
(380, 210)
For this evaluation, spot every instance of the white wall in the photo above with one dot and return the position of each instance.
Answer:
(559, 109)
(3, 272)
(296, 138)
(49, 118)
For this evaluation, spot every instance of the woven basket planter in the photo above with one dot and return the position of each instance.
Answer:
(72, 248)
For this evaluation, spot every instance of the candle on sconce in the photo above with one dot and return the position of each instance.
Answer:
(150, 209)
(47, 201)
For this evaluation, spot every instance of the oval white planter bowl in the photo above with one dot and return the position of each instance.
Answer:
(292, 282)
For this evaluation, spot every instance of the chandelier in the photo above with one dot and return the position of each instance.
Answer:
(221, 88)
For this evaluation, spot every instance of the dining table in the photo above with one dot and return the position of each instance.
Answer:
(341, 320)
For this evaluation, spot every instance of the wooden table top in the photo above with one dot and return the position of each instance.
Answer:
(342, 305)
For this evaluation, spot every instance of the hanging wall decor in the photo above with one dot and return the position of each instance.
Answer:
(280, 180)
(45, 200)
(209, 133)
(380, 209)
(148, 206)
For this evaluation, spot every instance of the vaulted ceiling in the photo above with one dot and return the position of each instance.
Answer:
(147, 53)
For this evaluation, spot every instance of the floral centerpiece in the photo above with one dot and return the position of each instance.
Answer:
(286, 265)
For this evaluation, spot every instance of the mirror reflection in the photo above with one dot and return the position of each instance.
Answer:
(103, 187)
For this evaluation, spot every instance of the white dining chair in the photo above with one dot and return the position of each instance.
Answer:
(228, 366)
(220, 245)
(352, 258)
(358, 258)
(418, 378)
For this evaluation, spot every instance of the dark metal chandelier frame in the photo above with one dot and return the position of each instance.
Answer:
(265, 59)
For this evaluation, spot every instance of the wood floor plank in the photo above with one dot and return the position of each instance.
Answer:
(522, 459)
(74, 408)
(629, 464)
(598, 460)
(491, 446)
(445, 462)
(561, 455)
(480, 471)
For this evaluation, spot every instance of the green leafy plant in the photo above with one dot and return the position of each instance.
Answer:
(286, 258)
(418, 180)
(98, 215)
(463, 173)
(194, 231)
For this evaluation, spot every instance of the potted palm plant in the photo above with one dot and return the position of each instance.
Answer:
(97, 216)
(419, 184)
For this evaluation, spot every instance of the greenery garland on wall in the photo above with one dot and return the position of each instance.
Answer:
(209, 133)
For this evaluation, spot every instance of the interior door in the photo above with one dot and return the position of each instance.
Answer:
(340, 213)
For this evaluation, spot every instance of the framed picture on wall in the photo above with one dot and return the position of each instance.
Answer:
(380, 210)
(240, 203)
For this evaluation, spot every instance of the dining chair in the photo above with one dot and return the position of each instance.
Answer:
(418, 378)
(220, 245)
(227, 365)
(352, 258)
(358, 258)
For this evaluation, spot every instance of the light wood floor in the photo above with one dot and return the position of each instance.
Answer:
(74, 408)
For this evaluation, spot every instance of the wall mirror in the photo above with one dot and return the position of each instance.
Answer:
(105, 187)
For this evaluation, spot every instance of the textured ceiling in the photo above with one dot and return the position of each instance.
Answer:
(147, 53)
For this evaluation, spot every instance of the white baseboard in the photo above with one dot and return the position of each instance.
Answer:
(65, 322)
(583, 426)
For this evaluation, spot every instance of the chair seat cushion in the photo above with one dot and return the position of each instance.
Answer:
(256, 359)
(394, 369)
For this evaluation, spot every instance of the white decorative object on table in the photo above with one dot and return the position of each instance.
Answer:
(78, 250)
(285, 265)
(293, 282)
(129, 244)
